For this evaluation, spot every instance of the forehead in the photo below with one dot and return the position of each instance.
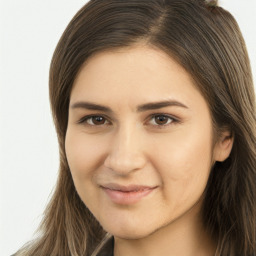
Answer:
(133, 74)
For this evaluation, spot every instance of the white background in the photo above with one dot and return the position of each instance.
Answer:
(29, 31)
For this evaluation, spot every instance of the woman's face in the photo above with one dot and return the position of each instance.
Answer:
(139, 141)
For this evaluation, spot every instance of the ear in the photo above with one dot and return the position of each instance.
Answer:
(223, 146)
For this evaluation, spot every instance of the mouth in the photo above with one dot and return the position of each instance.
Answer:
(126, 195)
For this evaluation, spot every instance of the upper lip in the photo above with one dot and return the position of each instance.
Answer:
(128, 188)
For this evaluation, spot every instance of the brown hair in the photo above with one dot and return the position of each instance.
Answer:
(206, 40)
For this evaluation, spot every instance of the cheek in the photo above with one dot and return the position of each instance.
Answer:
(84, 153)
(184, 163)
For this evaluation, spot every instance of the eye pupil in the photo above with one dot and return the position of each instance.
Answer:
(98, 120)
(161, 119)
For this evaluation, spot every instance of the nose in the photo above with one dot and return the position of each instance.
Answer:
(126, 151)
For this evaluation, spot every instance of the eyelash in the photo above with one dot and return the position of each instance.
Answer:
(173, 121)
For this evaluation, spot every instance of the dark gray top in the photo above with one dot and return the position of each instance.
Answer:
(108, 248)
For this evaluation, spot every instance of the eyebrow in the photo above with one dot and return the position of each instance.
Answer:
(140, 108)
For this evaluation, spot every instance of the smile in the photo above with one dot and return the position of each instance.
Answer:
(126, 195)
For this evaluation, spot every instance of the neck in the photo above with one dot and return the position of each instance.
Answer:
(183, 237)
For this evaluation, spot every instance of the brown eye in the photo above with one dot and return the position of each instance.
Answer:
(161, 120)
(95, 120)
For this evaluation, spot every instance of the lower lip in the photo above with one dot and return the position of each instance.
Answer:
(125, 198)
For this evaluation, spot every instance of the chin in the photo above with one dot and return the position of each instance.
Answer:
(130, 232)
(131, 235)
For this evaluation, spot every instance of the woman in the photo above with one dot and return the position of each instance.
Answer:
(154, 108)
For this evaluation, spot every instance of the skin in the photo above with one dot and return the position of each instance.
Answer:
(174, 154)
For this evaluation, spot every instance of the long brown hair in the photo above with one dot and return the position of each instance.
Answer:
(206, 40)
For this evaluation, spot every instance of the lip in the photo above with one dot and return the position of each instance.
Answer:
(126, 195)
